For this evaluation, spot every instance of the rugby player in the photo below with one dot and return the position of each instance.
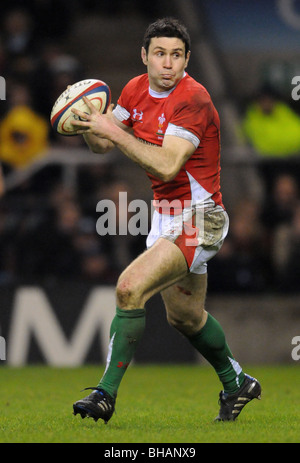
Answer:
(166, 122)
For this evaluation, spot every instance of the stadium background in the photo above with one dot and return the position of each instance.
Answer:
(56, 273)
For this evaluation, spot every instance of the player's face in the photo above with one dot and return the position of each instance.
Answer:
(165, 62)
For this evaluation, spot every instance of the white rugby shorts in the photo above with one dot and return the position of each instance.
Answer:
(199, 233)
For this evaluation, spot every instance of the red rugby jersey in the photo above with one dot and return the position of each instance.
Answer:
(185, 111)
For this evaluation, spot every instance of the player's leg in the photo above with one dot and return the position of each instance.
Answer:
(151, 272)
(185, 306)
(185, 303)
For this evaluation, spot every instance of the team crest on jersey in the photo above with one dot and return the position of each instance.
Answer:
(137, 115)
(160, 130)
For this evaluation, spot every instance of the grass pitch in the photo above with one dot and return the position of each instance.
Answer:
(156, 404)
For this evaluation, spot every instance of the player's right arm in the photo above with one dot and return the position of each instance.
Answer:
(102, 145)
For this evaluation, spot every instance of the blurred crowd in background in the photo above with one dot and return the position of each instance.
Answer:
(48, 231)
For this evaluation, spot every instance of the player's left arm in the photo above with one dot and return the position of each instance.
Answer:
(164, 162)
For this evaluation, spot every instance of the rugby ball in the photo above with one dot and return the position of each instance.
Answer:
(96, 91)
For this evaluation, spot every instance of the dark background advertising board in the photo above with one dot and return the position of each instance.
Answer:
(62, 310)
(67, 324)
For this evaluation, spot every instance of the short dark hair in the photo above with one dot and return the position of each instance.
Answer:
(167, 27)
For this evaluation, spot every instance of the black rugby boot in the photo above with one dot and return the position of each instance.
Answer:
(98, 404)
(231, 405)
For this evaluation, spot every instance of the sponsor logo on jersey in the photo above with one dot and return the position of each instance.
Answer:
(137, 115)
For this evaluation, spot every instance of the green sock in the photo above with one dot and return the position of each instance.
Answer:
(126, 330)
(210, 342)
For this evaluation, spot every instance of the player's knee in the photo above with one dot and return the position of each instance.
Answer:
(127, 295)
(188, 326)
(179, 324)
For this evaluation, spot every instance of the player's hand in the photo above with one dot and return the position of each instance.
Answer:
(109, 111)
(96, 123)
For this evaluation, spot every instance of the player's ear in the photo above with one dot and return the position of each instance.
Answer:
(144, 56)
(187, 59)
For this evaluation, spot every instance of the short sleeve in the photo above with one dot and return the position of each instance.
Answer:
(194, 113)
